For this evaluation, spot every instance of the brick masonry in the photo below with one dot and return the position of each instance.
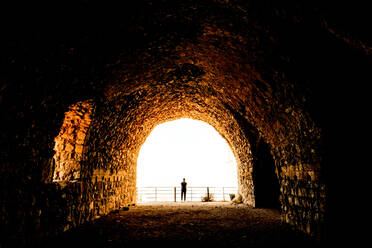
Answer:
(70, 141)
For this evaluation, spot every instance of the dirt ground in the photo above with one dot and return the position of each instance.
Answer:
(190, 224)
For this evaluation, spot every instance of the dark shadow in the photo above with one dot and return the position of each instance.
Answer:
(266, 185)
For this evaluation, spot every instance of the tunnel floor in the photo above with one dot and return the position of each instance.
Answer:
(189, 224)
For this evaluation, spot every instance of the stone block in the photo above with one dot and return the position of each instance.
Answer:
(69, 147)
(79, 149)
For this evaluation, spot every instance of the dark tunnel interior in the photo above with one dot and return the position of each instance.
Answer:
(83, 83)
(267, 188)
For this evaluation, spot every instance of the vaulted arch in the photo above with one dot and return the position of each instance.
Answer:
(274, 79)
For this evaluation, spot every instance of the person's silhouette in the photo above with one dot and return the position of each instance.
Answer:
(183, 190)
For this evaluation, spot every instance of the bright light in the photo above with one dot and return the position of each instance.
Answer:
(186, 148)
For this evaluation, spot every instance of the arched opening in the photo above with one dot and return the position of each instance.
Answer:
(281, 70)
(266, 184)
(190, 149)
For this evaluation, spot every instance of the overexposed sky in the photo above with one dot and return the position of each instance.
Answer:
(186, 148)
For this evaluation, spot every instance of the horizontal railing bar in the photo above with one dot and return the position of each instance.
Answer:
(187, 187)
(194, 193)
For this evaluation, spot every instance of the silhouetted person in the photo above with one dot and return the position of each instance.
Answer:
(183, 190)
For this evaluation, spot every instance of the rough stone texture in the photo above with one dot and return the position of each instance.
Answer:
(193, 82)
(278, 73)
(70, 141)
(111, 191)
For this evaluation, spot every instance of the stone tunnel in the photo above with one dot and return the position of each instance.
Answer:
(83, 87)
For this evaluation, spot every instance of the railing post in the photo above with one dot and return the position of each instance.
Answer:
(223, 193)
(175, 195)
(208, 193)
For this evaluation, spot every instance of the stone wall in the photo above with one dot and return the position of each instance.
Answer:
(303, 200)
(112, 191)
(70, 141)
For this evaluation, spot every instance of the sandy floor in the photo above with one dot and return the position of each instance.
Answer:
(220, 224)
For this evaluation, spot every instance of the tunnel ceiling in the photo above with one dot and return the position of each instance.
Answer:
(259, 61)
(207, 79)
(217, 69)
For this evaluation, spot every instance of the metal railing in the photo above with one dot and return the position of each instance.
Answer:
(173, 194)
